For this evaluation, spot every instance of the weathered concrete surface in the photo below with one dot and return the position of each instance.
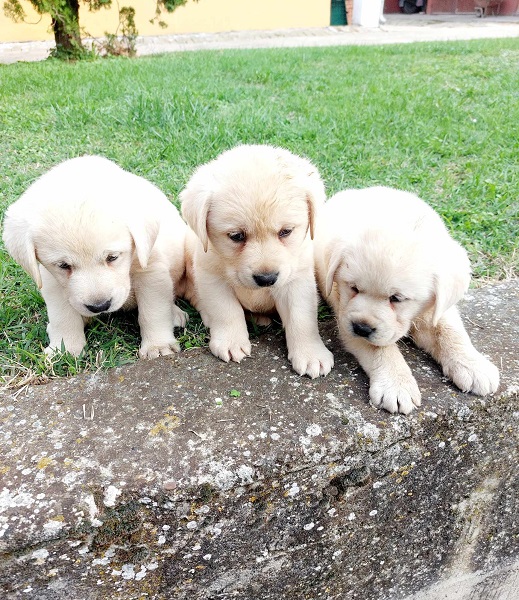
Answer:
(179, 488)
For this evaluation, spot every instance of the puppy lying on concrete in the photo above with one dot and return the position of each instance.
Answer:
(388, 266)
(95, 239)
(252, 211)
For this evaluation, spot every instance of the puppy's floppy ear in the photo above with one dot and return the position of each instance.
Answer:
(451, 278)
(19, 242)
(313, 199)
(333, 260)
(196, 200)
(310, 180)
(144, 232)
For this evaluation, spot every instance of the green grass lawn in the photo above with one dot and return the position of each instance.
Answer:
(439, 119)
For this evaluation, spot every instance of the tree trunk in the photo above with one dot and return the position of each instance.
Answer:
(65, 25)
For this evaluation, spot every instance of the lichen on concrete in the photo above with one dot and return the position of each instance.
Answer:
(197, 479)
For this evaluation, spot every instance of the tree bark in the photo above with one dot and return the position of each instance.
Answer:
(66, 29)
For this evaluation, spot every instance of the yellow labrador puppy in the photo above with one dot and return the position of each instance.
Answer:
(388, 267)
(95, 239)
(252, 211)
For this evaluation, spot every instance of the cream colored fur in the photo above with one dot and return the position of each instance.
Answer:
(389, 268)
(270, 197)
(91, 234)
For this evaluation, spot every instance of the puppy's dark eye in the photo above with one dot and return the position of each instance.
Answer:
(354, 289)
(65, 266)
(111, 257)
(393, 299)
(285, 233)
(238, 237)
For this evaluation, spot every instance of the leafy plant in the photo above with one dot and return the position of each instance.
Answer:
(168, 5)
(125, 44)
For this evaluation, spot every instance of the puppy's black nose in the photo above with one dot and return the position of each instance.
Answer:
(99, 308)
(265, 279)
(362, 329)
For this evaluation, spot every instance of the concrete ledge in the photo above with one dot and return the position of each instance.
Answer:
(188, 478)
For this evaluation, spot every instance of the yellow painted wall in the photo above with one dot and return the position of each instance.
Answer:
(204, 16)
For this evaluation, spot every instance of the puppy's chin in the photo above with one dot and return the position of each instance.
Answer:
(383, 342)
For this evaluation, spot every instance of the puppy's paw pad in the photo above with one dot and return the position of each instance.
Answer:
(227, 350)
(180, 318)
(474, 374)
(313, 362)
(151, 350)
(400, 395)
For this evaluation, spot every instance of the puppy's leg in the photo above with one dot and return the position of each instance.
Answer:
(223, 314)
(158, 314)
(450, 345)
(180, 317)
(392, 385)
(66, 326)
(297, 307)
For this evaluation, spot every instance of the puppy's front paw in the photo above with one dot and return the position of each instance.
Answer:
(155, 348)
(230, 349)
(73, 346)
(180, 318)
(395, 392)
(473, 373)
(75, 350)
(313, 361)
